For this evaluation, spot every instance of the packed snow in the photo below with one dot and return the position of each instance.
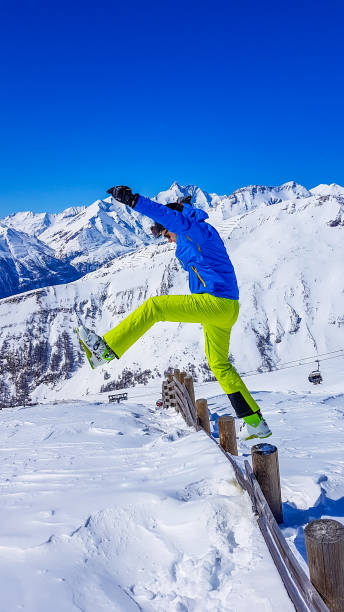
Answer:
(123, 507)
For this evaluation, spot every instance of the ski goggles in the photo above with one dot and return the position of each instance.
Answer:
(157, 230)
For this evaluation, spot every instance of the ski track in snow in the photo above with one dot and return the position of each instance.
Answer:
(108, 507)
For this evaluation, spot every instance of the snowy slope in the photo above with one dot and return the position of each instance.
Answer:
(27, 263)
(290, 263)
(122, 508)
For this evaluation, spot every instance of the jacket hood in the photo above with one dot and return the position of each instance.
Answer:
(195, 214)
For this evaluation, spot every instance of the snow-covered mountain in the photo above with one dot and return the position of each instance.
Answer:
(36, 223)
(288, 257)
(88, 237)
(240, 201)
(27, 263)
(98, 234)
(327, 190)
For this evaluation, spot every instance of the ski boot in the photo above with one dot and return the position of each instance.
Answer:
(254, 426)
(97, 351)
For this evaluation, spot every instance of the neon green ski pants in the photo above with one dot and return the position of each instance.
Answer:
(217, 316)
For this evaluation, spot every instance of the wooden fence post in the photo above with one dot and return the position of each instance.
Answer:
(176, 373)
(188, 382)
(203, 414)
(266, 470)
(182, 377)
(227, 434)
(325, 551)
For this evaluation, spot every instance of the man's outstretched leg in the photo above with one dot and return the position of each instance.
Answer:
(178, 308)
(217, 315)
(217, 348)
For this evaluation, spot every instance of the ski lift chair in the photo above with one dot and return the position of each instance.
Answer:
(315, 376)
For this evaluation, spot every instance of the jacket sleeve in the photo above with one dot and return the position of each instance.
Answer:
(173, 220)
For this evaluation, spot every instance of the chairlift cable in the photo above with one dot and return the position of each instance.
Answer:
(286, 366)
(314, 358)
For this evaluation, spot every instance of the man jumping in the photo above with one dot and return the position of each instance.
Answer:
(213, 301)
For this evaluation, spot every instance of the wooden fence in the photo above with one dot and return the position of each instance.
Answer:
(178, 392)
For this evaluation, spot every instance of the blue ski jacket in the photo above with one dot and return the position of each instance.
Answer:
(200, 249)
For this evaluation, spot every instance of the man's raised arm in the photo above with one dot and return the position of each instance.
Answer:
(172, 220)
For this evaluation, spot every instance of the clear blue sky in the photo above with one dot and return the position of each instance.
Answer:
(218, 94)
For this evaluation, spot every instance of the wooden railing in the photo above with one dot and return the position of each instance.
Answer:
(178, 393)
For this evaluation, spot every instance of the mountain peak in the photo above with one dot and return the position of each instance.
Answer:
(296, 188)
(292, 184)
(324, 189)
(175, 184)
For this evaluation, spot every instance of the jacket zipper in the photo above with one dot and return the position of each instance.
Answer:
(201, 279)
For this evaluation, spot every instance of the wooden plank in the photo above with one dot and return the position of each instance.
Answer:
(183, 405)
(288, 582)
(180, 399)
(250, 490)
(309, 593)
(192, 409)
(188, 382)
(188, 408)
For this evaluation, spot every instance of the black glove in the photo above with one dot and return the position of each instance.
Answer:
(124, 194)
